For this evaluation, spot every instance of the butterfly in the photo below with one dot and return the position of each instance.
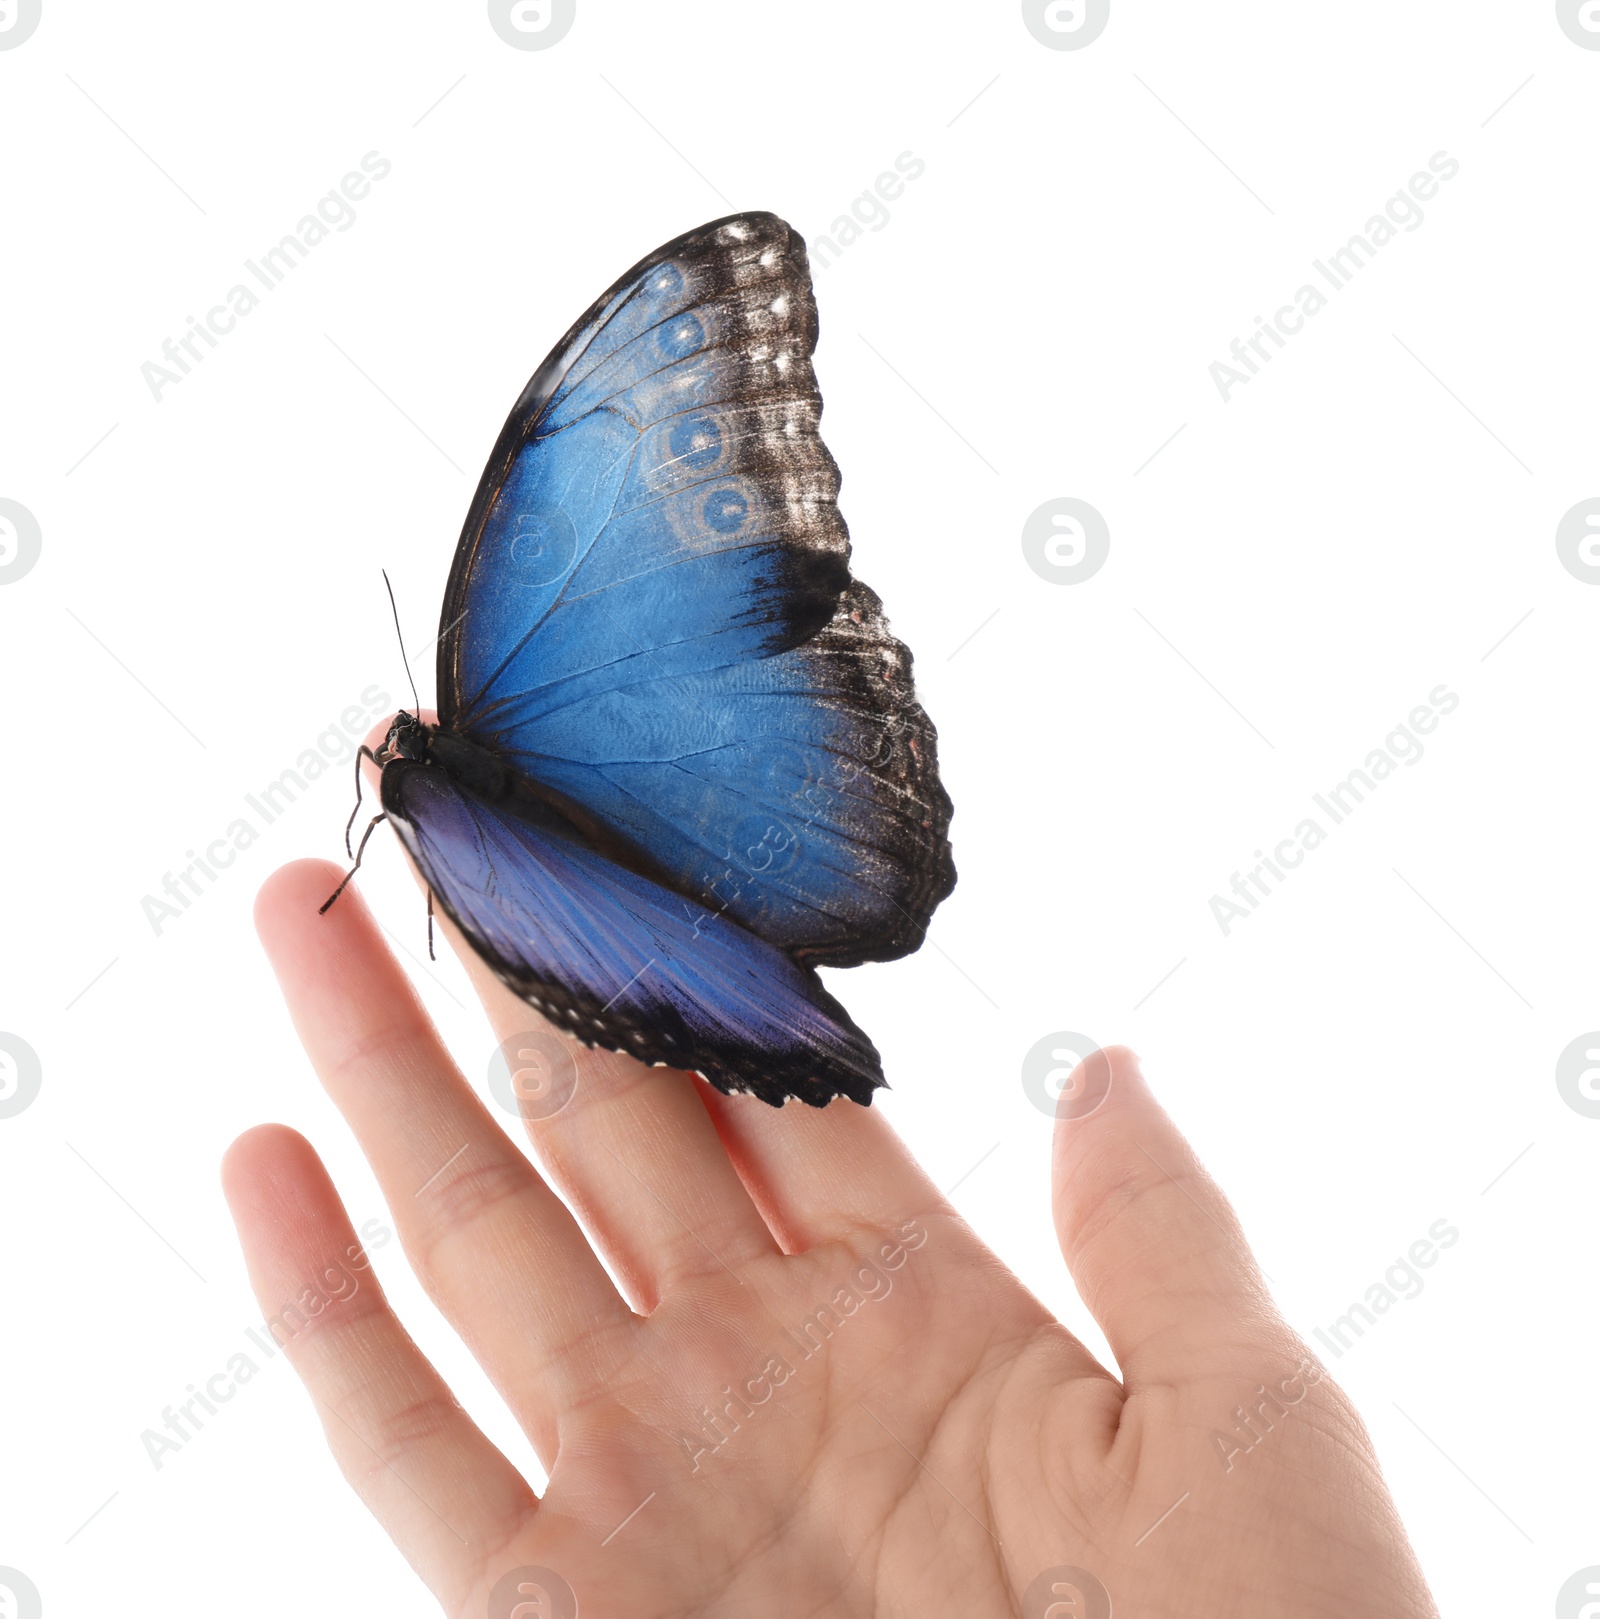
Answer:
(679, 762)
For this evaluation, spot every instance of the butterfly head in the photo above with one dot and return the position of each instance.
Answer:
(408, 738)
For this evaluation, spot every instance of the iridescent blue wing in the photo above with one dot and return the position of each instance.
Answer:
(651, 612)
(620, 961)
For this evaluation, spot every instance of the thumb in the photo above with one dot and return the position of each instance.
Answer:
(1154, 1247)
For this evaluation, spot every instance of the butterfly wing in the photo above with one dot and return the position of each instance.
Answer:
(620, 961)
(651, 612)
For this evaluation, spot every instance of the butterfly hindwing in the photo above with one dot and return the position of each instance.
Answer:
(651, 612)
(620, 961)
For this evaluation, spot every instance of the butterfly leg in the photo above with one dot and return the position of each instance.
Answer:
(431, 956)
(372, 826)
(363, 752)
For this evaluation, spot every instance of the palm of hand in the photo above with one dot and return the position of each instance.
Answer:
(816, 1392)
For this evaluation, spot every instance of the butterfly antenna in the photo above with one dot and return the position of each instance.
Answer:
(401, 639)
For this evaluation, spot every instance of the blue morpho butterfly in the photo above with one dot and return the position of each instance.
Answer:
(679, 761)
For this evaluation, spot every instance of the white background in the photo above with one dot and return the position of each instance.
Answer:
(1295, 571)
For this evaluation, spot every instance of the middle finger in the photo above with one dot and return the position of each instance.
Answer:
(633, 1152)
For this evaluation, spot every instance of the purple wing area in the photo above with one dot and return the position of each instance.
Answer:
(620, 961)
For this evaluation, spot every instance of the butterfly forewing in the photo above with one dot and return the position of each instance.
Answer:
(651, 612)
(651, 620)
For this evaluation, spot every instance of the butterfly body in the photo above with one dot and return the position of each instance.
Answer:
(679, 760)
(491, 781)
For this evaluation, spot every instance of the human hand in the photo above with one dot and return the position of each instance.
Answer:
(811, 1389)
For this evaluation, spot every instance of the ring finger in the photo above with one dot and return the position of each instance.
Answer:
(440, 1489)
